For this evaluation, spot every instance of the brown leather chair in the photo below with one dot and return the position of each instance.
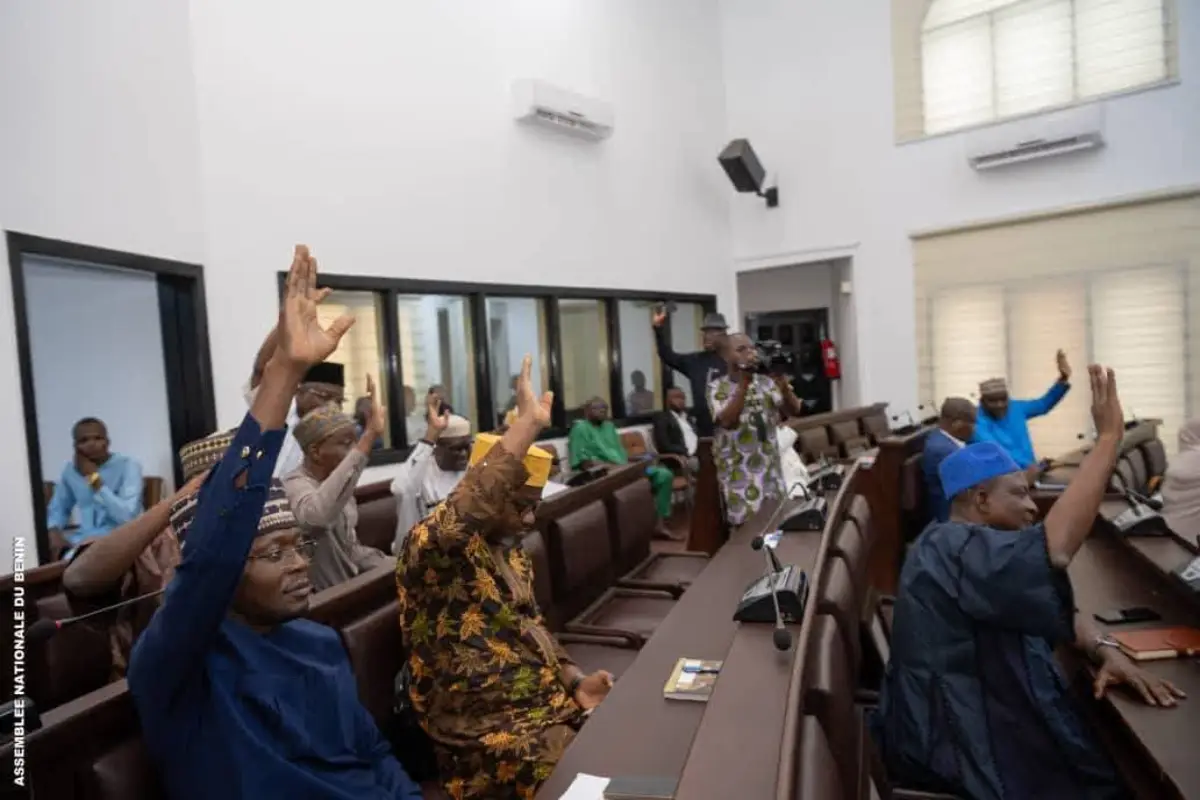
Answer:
(48, 491)
(1156, 461)
(349, 600)
(876, 427)
(849, 437)
(1124, 477)
(376, 650)
(836, 598)
(125, 772)
(829, 696)
(152, 491)
(589, 652)
(820, 777)
(632, 518)
(73, 662)
(859, 511)
(849, 544)
(812, 443)
(376, 515)
(1140, 473)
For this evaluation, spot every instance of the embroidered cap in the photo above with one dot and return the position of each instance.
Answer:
(993, 386)
(537, 461)
(321, 423)
(970, 466)
(276, 515)
(206, 453)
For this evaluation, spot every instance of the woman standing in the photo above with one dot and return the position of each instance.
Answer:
(747, 407)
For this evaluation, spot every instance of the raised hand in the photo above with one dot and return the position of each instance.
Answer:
(660, 316)
(377, 416)
(84, 464)
(1107, 414)
(435, 419)
(302, 340)
(1064, 367)
(529, 405)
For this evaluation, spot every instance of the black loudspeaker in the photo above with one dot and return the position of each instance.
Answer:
(742, 166)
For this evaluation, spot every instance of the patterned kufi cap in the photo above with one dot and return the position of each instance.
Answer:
(276, 515)
(206, 453)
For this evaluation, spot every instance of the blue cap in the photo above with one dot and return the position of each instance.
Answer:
(972, 465)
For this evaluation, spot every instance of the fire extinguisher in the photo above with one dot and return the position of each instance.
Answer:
(829, 357)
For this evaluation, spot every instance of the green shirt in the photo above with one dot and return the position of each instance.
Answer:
(589, 442)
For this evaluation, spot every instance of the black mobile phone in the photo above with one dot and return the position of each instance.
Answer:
(1121, 616)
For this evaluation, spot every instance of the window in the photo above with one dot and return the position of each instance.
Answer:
(982, 60)
(436, 351)
(583, 326)
(640, 367)
(516, 327)
(961, 361)
(360, 350)
(686, 338)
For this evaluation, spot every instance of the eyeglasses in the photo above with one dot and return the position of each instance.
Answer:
(305, 547)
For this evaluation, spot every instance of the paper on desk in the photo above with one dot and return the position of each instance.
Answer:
(586, 787)
(772, 538)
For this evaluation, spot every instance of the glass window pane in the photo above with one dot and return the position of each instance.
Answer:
(956, 75)
(436, 352)
(361, 349)
(968, 340)
(686, 338)
(1034, 66)
(640, 366)
(583, 325)
(516, 327)
(1120, 43)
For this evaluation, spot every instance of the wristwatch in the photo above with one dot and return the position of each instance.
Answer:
(1104, 640)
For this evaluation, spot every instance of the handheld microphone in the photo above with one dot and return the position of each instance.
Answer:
(782, 637)
(44, 629)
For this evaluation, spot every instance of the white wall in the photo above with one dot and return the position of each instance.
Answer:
(385, 139)
(810, 84)
(119, 378)
(98, 146)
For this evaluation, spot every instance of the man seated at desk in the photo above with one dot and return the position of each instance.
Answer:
(956, 427)
(494, 690)
(1006, 421)
(104, 487)
(594, 441)
(973, 702)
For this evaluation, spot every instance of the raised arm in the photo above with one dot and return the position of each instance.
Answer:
(126, 502)
(1046, 403)
(668, 356)
(412, 473)
(319, 506)
(1071, 517)
(170, 652)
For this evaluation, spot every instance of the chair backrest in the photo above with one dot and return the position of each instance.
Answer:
(820, 777)
(850, 545)
(836, 597)
(152, 490)
(812, 443)
(829, 696)
(912, 484)
(580, 557)
(376, 650)
(876, 426)
(543, 587)
(1123, 476)
(1156, 457)
(68, 665)
(48, 491)
(124, 772)
(376, 516)
(631, 521)
(859, 510)
(349, 600)
(1139, 473)
(634, 443)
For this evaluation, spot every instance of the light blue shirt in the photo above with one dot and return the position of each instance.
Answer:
(118, 500)
(1012, 431)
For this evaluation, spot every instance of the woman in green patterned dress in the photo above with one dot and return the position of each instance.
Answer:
(747, 407)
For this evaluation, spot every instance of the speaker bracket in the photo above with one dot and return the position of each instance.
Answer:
(771, 196)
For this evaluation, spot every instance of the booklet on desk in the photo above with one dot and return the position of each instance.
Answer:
(692, 679)
(1153, 644)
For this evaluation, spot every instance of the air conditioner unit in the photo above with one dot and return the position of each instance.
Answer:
(1058, 133)
(540, 103)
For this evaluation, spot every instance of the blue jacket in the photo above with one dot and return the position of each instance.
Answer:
(1012, 431)
(230, 713)
(938, 445)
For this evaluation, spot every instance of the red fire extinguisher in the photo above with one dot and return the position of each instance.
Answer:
(829, 357)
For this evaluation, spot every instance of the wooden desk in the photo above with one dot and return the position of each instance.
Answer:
(636, 731)
(1105, 576)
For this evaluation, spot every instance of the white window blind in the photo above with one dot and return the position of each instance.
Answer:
(989, 59)
(1138, 330)
(968, 339)
(1042, 318)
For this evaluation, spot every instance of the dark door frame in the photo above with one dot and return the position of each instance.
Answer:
(184, 322)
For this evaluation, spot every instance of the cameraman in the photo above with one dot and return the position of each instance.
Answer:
(748, 407)
(700, 367)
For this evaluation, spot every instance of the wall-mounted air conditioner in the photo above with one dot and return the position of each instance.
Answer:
(539, 103)
(1043, 136)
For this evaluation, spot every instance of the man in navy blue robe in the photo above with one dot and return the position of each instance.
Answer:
(238, 697)
(973, 702)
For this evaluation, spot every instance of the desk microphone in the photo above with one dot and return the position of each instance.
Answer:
(1137, 499)
(782, 637)
(44, 629)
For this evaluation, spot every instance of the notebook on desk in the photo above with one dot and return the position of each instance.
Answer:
(692, 679)
(1154, 644)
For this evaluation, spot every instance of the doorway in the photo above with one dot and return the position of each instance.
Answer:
(800, 333)
(118, 336)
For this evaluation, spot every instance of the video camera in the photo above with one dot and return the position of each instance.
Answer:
(773, 359)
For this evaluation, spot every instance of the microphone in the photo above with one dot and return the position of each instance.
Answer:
(782, 637)
(44, 629)
(1153, 503)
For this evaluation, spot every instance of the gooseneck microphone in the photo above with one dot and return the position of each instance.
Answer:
(782, 637)
(44, 629)
(1137, 500)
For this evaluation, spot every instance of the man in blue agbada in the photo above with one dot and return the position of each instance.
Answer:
(237, 697)
(1006, 421)
(973, 702)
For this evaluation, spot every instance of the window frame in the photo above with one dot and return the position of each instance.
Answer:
(476, 295)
